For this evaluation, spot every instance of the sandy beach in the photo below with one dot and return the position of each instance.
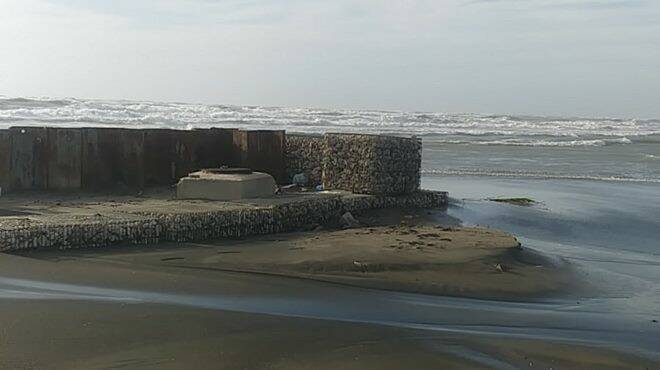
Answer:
(154, 336)
(330, 185)
(504, 274)
(249, 303)
(399, 250)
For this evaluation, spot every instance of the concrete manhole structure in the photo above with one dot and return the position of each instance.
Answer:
(225, 184)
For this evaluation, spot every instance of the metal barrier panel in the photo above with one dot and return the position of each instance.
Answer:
(5, 160)
(29, 169)
(112, 158)
(64, 158)
(41, 158)
(203, 148)
(262, 151)
(159, 157)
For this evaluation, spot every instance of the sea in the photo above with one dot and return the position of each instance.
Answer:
(608, 149)
(595, 183)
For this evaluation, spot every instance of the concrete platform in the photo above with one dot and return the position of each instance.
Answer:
(39, 220)
(217, 186)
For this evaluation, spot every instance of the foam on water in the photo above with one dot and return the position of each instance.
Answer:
(72, 112)
(540, 142)
(533, 175)
(573, 147)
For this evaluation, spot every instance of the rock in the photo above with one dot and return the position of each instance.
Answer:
(501, 268)
(304, 153)
(360, 265)
(348, 221)
(300, 179)
(524, 202)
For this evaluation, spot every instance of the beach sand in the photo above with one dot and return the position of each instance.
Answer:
(71, 335)
(186, 306)
(401, 250)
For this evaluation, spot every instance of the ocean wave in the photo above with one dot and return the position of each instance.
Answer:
(144, 114)
(540, 143)
(535, 175)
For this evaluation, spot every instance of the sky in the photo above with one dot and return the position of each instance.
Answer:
(589, 58)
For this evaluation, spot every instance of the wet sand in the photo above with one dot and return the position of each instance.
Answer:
(80, 312)
(70, 335)
(170, 306)
(451, 261)
(399, 250)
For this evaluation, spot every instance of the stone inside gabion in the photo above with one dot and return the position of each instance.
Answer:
(387, 168)
(304, 154)
(151, 227)
(364, 164)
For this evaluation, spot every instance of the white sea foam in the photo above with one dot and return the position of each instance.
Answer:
(550, 135)
(507, 129)
(539, 142)
(535, 175)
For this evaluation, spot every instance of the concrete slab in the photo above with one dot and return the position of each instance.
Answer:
(213, 186)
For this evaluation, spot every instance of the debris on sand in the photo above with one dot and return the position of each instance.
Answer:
(360, 265)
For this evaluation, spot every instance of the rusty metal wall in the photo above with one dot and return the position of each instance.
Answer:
(203, 148)
(240, 147)
(36, 158)
(64, 158)
(159, 157)
(262, 151)
(29, 169)
(5, 160)
(112, 158)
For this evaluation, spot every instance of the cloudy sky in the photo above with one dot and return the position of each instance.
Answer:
(543, 57)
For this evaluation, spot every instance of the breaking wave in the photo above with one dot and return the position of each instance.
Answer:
(535, 175)
(547, 143)
(499, 129)
(480, 142)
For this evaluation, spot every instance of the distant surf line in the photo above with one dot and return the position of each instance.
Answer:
(533, 175)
